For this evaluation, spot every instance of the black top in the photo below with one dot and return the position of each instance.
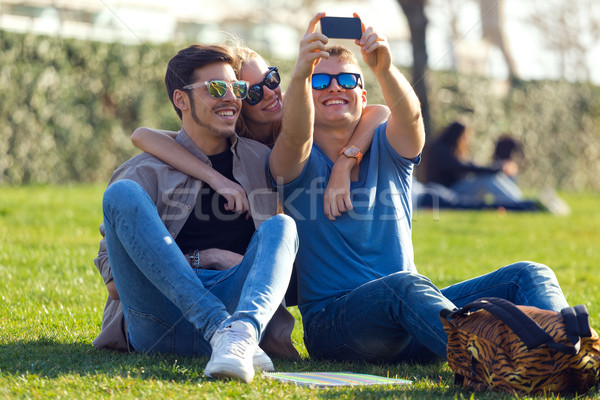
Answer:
(445, 168)
(210, 225)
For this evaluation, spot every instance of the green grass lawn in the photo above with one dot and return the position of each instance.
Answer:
(52, 299)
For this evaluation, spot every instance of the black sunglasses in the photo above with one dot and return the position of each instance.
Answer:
(255, 92)
(346, 80)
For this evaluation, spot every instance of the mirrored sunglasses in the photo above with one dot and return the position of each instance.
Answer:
(218, 88)
(346, 80)
(271, 80)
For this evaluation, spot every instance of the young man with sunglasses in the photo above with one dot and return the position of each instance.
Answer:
(171, 253)
(360, 295)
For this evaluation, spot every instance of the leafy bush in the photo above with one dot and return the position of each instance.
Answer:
(69, 107)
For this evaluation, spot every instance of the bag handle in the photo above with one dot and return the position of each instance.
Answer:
(577, 321)
(530, 332)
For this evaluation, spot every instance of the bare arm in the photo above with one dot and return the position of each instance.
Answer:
(162, 145)
(292, 148)
(337, 193)
(405, 130)
(372, 117)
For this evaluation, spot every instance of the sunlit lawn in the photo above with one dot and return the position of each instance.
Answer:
(52, 299)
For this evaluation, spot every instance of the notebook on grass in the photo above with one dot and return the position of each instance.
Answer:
(325, 379)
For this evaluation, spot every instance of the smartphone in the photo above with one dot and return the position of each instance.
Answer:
(341, 28)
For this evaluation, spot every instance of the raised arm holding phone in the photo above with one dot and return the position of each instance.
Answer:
(360, 294)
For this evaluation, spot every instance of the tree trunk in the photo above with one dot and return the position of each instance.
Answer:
(492, 23)
(417, 23)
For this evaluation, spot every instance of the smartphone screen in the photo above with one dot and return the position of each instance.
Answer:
(341, 28)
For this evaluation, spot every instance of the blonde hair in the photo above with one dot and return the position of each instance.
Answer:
(343, 53)
(243, 54)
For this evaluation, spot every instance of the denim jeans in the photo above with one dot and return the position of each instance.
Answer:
(503, 189)
(434, 195)
(167, 306)
(396, 318)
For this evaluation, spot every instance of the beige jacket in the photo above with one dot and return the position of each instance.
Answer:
(174, 194)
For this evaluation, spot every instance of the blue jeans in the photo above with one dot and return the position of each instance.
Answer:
(503, 189)
(396, 318)
(436, 196)
(167, 306)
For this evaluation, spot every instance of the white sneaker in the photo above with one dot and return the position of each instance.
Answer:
(553, 203)
(233, 349)
(262, 361)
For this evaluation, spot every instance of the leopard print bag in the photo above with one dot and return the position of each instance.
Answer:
(511, 348)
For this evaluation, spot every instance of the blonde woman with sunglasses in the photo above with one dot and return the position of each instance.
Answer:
(260, 120)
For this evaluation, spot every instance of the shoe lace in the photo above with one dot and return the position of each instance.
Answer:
(237, 343)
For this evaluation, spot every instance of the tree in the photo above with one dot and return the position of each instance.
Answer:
(491, 21)
(571, 30)
(417, 24)
(492, 27)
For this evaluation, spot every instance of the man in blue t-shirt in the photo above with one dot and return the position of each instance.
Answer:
(360, 295)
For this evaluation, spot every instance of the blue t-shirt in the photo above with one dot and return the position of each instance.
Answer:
(371, 241)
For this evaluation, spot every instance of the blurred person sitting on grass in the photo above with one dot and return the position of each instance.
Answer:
(449, 164)
(437, 196)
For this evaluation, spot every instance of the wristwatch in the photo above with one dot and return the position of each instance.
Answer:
(195, 259)
(352, 152)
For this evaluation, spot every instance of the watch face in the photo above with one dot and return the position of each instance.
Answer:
(351, 151)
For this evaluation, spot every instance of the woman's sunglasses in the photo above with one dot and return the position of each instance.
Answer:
(346, 80)
(218, 88)
(271, 80)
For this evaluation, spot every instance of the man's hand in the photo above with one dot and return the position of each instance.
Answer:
(234, 194)
(293, 146)
(337, 193)
(404, 128)
(219, 259)
(375, 49)
(312, 49)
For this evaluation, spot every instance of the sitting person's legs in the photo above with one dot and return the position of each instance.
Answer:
(394, 318)
(170, 308)
(258, 286)
(524, 283)
(155, 282)
(503, 190)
